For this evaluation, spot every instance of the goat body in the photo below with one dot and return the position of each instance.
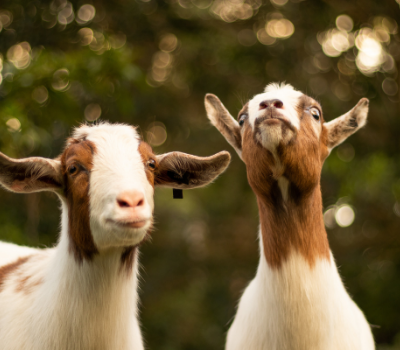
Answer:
(297, 300)
(82, 294)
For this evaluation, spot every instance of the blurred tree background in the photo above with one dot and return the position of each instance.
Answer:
(149, 63)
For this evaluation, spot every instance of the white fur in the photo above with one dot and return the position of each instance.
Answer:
(286, 93)
(90, 305)
(8, 252)
(270, 137)
(298, 308)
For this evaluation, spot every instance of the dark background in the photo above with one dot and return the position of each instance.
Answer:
(150, 63)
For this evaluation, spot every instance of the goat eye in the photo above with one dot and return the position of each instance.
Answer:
(315, 113)
(242, 119)
(72, 170)
(152, 164)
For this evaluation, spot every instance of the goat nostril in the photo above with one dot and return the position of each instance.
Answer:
(271, 103)
(140, 203)
(123, 204)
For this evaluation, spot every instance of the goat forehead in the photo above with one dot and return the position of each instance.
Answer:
(307, 101)
(117, 160)
(114, 143)
(79, 151)
(107, 133)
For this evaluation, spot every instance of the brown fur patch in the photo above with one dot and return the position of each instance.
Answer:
(8, 269)
(147, 155)
(27, 285)
(297, 226)
(129, 253)
(297, 223)
(323, 145)
(128, 258)
(79, 153)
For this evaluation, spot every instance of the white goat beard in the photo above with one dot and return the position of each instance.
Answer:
(271, 136)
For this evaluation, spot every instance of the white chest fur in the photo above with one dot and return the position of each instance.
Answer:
(65, 306)
(298, 307)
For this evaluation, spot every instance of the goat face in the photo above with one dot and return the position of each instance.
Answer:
(273, 116)
(106, 178)
(281, 132)
(108, 169)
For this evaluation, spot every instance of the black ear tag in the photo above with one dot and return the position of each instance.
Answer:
(177, 193)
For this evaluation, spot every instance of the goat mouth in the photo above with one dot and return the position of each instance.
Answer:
(272, 121)
(130, 224)
(272, 117)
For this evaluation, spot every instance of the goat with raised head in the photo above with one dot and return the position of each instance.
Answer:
(82, 294)
(297, 300)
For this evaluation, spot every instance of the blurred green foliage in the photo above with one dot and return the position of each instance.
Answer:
(150, 63)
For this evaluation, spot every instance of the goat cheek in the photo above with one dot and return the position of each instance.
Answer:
(249, 148)
(79, 219)
(150, 177)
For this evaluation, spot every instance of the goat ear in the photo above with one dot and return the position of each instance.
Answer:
(341, 128)
(224, 122)
(30, 174)
(181, 170)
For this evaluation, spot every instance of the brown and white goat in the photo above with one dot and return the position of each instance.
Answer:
(297, 300)
(82, 294)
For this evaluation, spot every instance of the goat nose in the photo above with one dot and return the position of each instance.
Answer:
(271, 103)
(130, 199)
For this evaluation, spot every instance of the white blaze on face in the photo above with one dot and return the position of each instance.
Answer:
(118, 170)
(285, 93)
